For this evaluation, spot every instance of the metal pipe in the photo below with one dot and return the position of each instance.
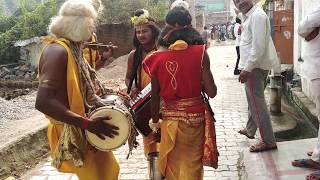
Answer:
(153, 167)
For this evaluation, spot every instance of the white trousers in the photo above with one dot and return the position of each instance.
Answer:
(315, 87)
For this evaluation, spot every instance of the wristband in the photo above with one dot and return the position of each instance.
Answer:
(154, 126)
(84, 123)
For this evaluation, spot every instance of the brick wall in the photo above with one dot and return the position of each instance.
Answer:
(119, 34)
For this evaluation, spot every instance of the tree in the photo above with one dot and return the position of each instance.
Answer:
(32, 17)
(120, 11)
(32, 20)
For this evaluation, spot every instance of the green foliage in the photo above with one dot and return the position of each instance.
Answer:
(120, 11)
(6, 23)
(9, 7)
(34, 23)
(32, 20)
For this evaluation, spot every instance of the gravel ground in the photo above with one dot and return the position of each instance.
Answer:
(113, 75)
(23, 107)
(17, 109)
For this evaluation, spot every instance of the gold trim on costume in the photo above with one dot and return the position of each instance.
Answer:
(177, 111)
(172, 68)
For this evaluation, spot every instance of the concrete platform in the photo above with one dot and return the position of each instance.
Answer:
(23, 146)
(276, 164)
(306, 105)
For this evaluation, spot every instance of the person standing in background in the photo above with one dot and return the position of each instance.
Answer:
(205, 36)
(145, 37)
(237, 34)
(258, 57)
(308, 29)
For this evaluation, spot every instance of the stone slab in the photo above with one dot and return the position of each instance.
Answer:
(276, 164)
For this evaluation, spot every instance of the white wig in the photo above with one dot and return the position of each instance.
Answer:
(75, 20)
(180, 3)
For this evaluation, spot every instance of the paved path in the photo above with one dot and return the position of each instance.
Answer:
(230, 109)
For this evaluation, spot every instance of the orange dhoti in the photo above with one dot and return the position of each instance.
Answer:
(187, 140)
(97, 165)
(181, 150)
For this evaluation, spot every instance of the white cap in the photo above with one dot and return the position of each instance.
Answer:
(180, 3)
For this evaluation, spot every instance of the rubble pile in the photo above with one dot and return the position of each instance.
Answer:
(17, 81)
(20, 72)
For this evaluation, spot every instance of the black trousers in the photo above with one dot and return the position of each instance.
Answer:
(238, 56)
(238, 59)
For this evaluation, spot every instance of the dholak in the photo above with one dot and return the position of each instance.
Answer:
(141, 110)
(120, 117)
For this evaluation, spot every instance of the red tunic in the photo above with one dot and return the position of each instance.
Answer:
(178, 72)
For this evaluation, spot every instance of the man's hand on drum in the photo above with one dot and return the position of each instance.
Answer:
(134, 93)
(123, 93)
(99, 127)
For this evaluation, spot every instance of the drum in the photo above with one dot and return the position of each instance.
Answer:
(141, 110)
(117, 108)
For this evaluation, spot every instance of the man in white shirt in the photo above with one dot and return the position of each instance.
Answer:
(308, 29)
(258, 56)
(237, 34)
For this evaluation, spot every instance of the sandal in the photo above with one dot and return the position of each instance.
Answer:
(245, 132)
(314, 176)
(306, 163)
(259, 147)
(309, 153)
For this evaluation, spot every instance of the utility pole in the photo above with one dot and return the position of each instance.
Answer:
(228, 9)
(192, 11)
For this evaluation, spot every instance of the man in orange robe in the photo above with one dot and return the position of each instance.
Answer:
(66, 94)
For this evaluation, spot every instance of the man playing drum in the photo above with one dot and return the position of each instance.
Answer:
(178, 76)
(66, 95)
(144, 41)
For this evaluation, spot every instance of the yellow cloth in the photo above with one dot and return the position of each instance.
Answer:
(97, 165)
(178, 45)
(148, 146)
(181, 150)
(86, 53)
(187, 139)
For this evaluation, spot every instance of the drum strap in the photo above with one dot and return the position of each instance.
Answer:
(206, 99)
(91, 58)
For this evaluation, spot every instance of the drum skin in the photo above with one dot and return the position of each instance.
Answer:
(119, 118)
